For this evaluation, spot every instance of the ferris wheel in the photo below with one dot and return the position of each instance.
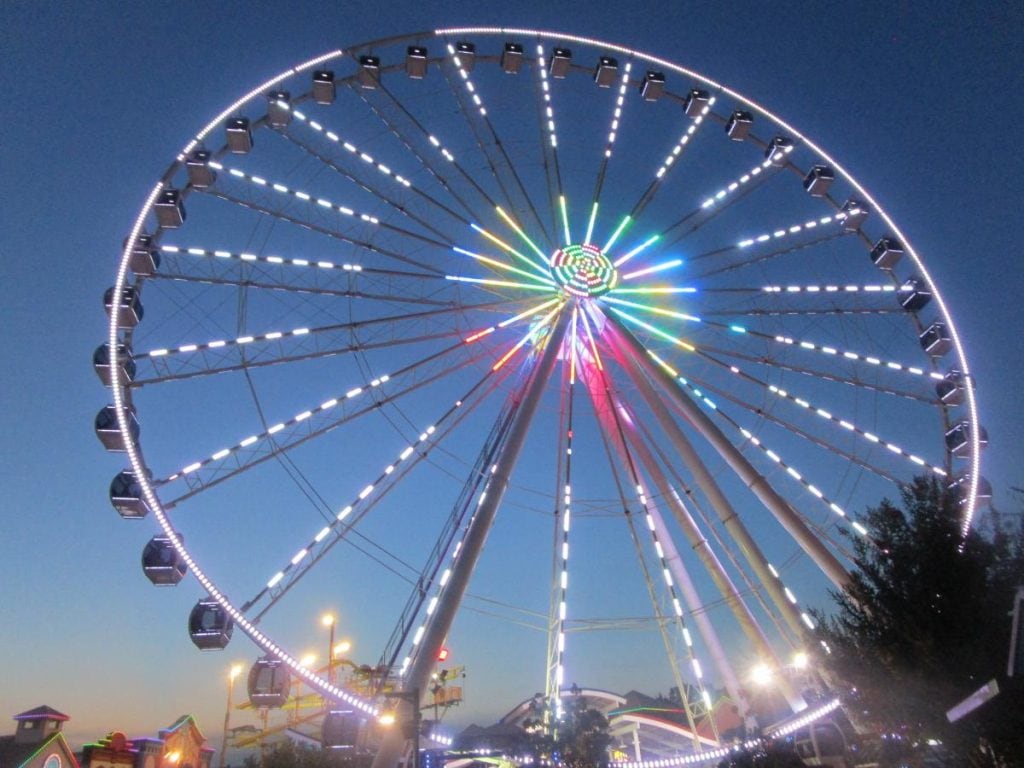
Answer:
(542, 292)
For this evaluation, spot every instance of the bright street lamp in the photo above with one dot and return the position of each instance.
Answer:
(235, 671)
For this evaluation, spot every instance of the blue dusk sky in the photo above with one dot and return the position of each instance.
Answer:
(921, 102)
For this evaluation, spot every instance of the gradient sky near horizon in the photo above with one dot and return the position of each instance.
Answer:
(921, 102)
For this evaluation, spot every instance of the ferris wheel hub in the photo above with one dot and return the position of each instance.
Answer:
(582, 270)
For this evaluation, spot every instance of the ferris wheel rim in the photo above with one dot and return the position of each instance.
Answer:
(121, 400)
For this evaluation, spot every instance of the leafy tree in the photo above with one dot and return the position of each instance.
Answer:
(925, 622)
(583, 739)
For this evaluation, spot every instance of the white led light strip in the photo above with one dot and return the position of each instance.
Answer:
(672, 156)
(251, 257)
(360, 500)
(304, 196)
(467, 81)
(368, 159)
(790, 470)
(549, 110)
(753, 173)
(792, 230)
(613, 130)
(280, 426)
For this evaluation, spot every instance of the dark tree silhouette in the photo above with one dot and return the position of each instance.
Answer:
(925, 622)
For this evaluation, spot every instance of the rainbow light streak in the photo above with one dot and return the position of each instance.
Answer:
(593, 344)
(501, 265)
(590, 224)
(655, 268)
(657, 310)
(656, 331)
(531, 334)
(515, 318)
(502, 244)
(646, 243)
(618, 231)
(572, 342)
(565, 219)
(502, 283)
(519, 231)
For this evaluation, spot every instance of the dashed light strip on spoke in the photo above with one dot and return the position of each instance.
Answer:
(422, 444)
(298, 194)
(280, 426)
(794, 229)
(332, 136)
(549, 110)
(467, 81)
(750, 175)
(684, 140)
(613, 129)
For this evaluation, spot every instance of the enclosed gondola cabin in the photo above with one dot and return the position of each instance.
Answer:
(162, 563)
(106, 364)
(170, 209)
(239, 135)
(914, 294)
(886, 253)
(200, 174)
(416, 62)
(369, 71)
(512, 58)
(279, 108)
(935, 340)
(777, 150)
(605, 71)
(561, 60)
(819, 180)
(958, 438)
(324, 89)
(144, 259)
(697, 101)
(209, 626)
(961, 487)
(652, 87)
(269, 681)
(128, 306)
(854, 213)
(739, 124)
(467, 55)
(340, 729)
(109, 431)
(950, 389)
(126, 496)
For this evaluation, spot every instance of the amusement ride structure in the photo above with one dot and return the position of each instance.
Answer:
(636, 333)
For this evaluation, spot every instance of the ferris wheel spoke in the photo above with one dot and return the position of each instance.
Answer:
(314, 422)
(783, 394)
(613, 132)
(385, 170)
(671, 160)
(313, 202)
(397, 297)
(233, 358)
(699, 387)
(348, 517)
(502, 165)
(320, 229)
(440, 147)
(720, 201)
(737, 333)
(392, 203)
(549, 147)
(755, 258)
(407, 142)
